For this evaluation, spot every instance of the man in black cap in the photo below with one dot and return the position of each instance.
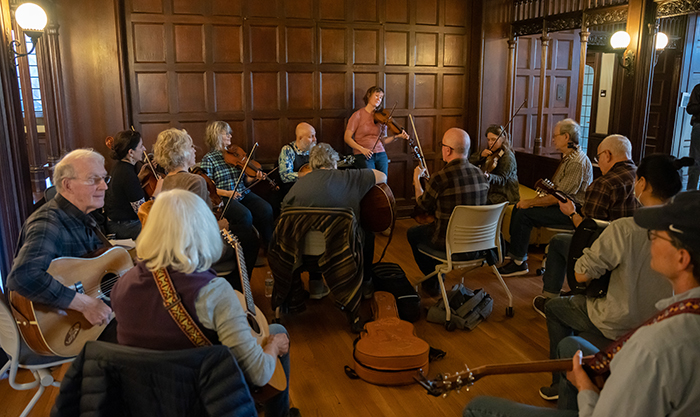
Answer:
(654, 371)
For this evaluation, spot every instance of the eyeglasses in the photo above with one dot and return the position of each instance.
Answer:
(95, 180)
(652, 234)
(597, 156)
(447, 146)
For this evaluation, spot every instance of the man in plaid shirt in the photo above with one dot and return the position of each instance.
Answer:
(63, 227)
(458, 183)
(609, 197)
(572, 177)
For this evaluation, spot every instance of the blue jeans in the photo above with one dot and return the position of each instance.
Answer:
(557, 260)
(566, 316)
(567, 404)
(278, 406)
(523, 220)
(694, 171)
(378, 161)
(252, 210)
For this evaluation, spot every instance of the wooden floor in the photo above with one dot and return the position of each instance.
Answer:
(321, 345)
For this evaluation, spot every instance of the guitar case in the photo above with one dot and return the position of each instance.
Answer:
(586, 233)
(388, 352)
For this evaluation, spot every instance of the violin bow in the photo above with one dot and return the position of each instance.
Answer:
(421, 160)
(509, 122)
(240, 177)
(150, 165)
(259, 179)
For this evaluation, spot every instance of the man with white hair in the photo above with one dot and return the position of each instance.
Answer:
(63, 227)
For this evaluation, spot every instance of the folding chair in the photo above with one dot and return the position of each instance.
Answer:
(22, 357)
(471, 230)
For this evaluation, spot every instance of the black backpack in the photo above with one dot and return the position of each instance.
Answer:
(391, 278)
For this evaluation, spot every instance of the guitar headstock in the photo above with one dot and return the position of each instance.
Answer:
(544, 187)
(230, 238)
(442, 384)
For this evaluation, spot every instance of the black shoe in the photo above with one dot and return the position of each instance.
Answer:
(294, 412)
(550, 393)
(356, 324)
(367, 289)
(538, 304)
(511, 269)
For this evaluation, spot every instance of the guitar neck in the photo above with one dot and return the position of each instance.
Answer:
(554, 365)
(242, 271)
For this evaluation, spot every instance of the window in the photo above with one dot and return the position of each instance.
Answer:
(586, 102)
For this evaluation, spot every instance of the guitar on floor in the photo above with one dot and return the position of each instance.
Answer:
(51, 331)
(444, 383)
(257, 322)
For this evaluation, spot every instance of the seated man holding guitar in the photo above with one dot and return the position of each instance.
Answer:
(608, 198)
(634, 288)
(63, 227)
(176, 248)
(572, 177)
(458, 183)
(652, 370)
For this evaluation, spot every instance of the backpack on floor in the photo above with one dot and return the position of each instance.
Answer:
(389, 277)
(469, 308)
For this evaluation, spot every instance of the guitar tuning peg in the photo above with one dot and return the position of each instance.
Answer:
(445, 394)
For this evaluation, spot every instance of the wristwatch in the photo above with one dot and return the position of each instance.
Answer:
(571, 216)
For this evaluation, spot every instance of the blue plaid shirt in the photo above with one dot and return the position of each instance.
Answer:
(286, 160)
(56, 229)
(224, 175)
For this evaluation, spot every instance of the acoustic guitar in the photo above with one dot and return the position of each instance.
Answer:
(442, 384)
(51, 331)
(544, 187)
(257, 322)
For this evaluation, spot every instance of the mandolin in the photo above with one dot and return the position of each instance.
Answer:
(257, 322)
(52, 331)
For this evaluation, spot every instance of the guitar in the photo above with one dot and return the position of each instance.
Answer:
(544, 187)
(51, 331)
(444, 383)
(257, 322)
(586, 233)
(377, 208)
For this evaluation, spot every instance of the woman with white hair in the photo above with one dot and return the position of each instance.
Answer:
(175, 152)
(181, 239)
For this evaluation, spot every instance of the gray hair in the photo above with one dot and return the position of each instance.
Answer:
(173, 148)
(181, 233)
(618, 145)
(65, 168)
(570, 127)
(323, 156)
(212, 135)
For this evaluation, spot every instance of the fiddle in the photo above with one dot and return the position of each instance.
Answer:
(149, 176)
(235, 156)
(384, 117)
(211, 187)
(420, 215)
(489, 162)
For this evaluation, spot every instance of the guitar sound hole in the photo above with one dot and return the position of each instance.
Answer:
(107, 282)
(253, 324)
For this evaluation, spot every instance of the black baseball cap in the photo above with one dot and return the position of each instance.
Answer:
(680, 218)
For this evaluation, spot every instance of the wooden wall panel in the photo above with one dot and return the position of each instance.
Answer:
(266, 66)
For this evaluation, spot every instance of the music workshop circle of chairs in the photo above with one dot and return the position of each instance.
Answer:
(473, 237)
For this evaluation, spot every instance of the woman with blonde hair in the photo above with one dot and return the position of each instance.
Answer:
(246, 207)
(181, 239)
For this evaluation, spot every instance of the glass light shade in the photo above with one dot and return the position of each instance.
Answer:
(620, 40)
(31, 17)
(661, 40)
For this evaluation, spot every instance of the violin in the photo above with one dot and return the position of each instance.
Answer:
(384, 117)
(211, 187)
(420, 215)
(488, 163)
(235, 156)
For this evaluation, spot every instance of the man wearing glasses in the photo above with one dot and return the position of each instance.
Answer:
(63, 227)
(458, 183)
(572, 177)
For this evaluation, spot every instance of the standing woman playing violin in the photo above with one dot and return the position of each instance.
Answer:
(362, 133)
(499, 166)
(125, 195)
(246, 208)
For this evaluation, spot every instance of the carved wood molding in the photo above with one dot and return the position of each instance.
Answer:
(610, 15)
(573, 20)
(527, 27)
(677, 8)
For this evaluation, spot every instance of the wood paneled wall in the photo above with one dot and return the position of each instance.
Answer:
(265, 66)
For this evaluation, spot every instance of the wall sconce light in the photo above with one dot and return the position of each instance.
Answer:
(661, 42)
(32, 19)
(619, 42)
